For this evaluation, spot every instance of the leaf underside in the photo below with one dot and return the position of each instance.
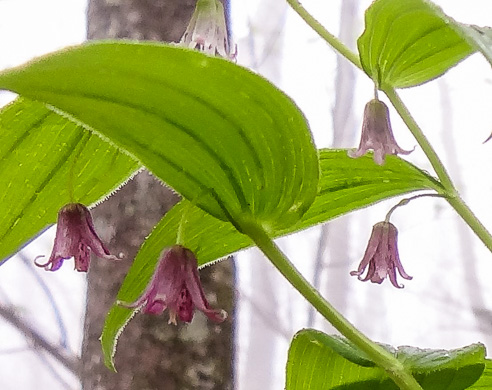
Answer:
(345, 185)
(222, 136)
(44, 157)
(407, 43)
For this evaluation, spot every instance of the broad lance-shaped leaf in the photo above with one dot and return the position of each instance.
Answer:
(345, 185)
(319, 361)
(406, 43)
(220, 135)
(43, 157)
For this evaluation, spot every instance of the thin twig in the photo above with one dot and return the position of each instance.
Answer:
(71, 362)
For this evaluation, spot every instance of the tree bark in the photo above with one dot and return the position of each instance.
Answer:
(151, 354)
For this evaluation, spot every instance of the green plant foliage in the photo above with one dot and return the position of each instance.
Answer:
(407, 43)
(485, 381)
(319, 361)
(345, 185)
(480, 38)
(43, 158)
(220, 135)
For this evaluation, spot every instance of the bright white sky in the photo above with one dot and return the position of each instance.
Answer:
(28, 29)
(427, 229)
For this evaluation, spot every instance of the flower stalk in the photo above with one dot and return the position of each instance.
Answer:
(332, 40)
(449, 189)
(393, 367)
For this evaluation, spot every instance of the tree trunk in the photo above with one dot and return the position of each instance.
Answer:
(151, 354)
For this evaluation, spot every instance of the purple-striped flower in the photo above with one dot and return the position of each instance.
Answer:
(381, 257)
(377, 133)
(75, 237)
(176, 286)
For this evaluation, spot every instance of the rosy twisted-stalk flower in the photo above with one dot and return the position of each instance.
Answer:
(207, 30)
(381, 256)
(377, 133)
(176, 286)
(75, 237)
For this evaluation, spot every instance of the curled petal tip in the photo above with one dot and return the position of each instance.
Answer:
(38, 264)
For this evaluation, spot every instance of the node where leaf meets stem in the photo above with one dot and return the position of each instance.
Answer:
(448, 187)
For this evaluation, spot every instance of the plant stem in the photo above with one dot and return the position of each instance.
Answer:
(471, 220)
(332, 40)
(394, 368)
(451, 193)
(427, 148)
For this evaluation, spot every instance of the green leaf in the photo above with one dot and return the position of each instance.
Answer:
(479, 37)
(43, 157)
(345, 185)
(485, 381)
(222, 136)
(316, 361)
(407, 43)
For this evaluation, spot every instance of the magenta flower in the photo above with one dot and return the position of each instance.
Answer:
(176, 286)
(382, 256)
(377, 133)
(75, 237)
(207, 30)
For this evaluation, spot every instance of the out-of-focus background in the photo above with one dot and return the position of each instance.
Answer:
(446, 305)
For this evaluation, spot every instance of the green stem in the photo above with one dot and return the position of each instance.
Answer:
(422, 140)
(471, 220)
(450, 193)
(332, 40)
(379, 355)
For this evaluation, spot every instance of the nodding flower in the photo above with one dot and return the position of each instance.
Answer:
(377, 133)
(207, 30)
(381, 256)
(75, 237)
(176, 286)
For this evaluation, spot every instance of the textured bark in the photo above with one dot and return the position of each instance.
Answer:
(151, 354)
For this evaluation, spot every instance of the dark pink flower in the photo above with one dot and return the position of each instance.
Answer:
(382, 256)
(176, 286)
(75, 237)
(377, 133)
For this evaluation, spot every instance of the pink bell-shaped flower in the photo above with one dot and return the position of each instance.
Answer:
(377, 133)
(381, 256)
(75, 237)
(176, 286)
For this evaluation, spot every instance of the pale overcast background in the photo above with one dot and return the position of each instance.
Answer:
(447, 303)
